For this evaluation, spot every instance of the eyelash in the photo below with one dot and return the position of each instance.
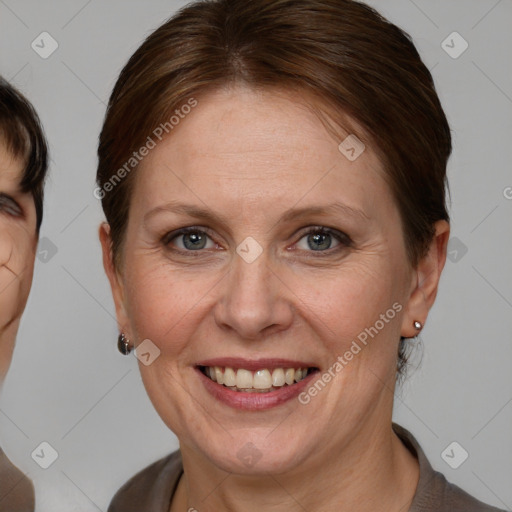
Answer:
(344, 240)
(10, 206)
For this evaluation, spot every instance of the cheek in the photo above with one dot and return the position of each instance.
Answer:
(6, 246)
(10, 296)
(353, 314)
(348, 299)
(17, 249)
(163, 303)
(16, 268)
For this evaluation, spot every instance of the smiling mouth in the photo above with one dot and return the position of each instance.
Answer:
(259, 381)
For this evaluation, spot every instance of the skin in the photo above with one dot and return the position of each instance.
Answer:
(18, 243)
(251, 156)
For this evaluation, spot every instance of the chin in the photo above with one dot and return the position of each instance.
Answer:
(260, 456)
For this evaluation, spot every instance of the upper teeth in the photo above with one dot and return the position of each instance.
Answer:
(263, 379)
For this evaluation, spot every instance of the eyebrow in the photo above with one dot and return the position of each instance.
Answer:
(289, 215)
(10, 196)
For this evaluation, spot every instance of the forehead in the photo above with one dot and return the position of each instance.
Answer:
(243, 120)
(243, 144)
(11, 168)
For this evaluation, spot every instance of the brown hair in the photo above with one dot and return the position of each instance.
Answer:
(23, 136)
(342, 52)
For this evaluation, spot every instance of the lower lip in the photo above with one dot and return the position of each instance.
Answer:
(253, 401)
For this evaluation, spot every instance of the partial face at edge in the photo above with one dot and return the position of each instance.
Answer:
(250, 158)
(18, 242)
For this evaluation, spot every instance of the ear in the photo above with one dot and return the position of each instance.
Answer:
(114, 278)
(425, 280)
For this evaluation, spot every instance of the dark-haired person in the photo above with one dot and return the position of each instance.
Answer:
(23, 167)
(276, 231)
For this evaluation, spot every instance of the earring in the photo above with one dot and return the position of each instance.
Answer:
(123, 344)
(417, 325)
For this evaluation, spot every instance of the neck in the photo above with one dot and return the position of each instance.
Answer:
(373, 471)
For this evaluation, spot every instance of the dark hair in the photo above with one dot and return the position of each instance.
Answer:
(23, 136)
(342, 52)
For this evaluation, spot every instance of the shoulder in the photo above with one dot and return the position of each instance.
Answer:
(442, 495)
(434, 493)
(16, 490)
(150, 489)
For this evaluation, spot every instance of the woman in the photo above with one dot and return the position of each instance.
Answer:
(23, 166)
(273, 177)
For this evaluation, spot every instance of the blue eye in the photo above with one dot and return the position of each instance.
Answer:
(192, 239)
(317, 239)
(320, 239)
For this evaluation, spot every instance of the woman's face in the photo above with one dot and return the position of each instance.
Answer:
(18, 242)
(256, 284)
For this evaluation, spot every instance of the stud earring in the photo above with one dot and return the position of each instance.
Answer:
(417, 325)
(123, 344)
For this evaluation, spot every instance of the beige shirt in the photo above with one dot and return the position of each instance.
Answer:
(16, 490)
(152, 489)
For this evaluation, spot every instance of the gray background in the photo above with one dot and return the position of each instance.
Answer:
(69, 386)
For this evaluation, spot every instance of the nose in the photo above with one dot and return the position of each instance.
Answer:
(254, 302)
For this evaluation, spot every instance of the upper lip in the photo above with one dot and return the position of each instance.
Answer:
(255, 364)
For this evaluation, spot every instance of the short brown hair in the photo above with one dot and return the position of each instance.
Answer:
(342, 51)
(23, 136)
